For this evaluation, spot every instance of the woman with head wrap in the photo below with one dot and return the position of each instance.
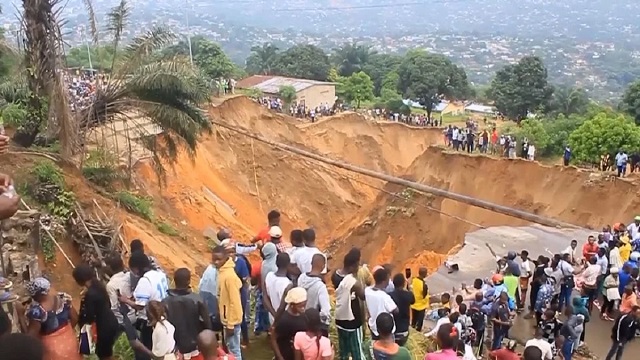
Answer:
(51, 317)
(269, 253)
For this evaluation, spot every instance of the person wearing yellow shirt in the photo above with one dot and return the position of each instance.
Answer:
(625, 248)
(421, 293)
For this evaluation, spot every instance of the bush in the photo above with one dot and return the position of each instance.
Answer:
(101, 176)
(47, 173)
(139, 205)
(167, 229)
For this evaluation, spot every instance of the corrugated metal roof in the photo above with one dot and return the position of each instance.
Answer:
(272, 86)
(252, 81)
(479, 108)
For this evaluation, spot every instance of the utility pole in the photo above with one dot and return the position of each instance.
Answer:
(86, 41)
(186, 15)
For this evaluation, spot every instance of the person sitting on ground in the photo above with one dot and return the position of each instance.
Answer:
(507, 352)
(208, 346)
(385, 347)
(312, 344)
(447, 338)
(403, 299)
(449, 319)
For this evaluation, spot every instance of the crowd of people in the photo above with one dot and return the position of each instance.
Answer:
(81, 87)
(470, 139)
(299, 109)
(373, 313)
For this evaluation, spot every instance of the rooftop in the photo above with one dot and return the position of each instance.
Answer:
(271, 84)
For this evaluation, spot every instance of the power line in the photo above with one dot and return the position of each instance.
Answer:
(469, 200)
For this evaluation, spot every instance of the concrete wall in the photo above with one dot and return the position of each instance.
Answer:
(317, 94)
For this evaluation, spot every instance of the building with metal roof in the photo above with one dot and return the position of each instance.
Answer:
(312, 93)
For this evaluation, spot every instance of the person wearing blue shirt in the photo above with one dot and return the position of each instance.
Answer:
(633, 261)
(625, 278)
(567, 155)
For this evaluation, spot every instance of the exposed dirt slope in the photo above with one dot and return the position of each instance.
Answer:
(409, 233)
(248, 178)
(383, 146)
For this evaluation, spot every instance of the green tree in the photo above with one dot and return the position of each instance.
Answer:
(358, 87)
(351, 58)
(535, 132)
(559, 129)
(427, 78)
(389, 90)
(101, 57)
(631, 101)
(378, 67)
(303, 61)
(287, 94)
(521, 88)
(568, 100)
(212, 60)
(605, 133)
(262, 59)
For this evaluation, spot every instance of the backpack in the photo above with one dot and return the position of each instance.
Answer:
(477, 319)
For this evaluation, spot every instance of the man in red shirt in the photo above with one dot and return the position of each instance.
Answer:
(590, 249)
(273, 218)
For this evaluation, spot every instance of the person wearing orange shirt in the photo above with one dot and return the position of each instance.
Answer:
(590, 249)
(629, 299)
(273, 218)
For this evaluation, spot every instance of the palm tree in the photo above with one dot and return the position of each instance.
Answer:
(569, 100)
(262, 59)
(42, 49)
(167, 91)
(351, 58)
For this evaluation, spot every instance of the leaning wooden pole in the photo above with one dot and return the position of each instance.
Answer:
(520, 214)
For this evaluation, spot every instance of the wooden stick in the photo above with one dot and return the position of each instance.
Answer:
(51, 236)
(95, 244)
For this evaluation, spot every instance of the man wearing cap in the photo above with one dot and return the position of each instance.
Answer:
(275, 236)
(242, 268)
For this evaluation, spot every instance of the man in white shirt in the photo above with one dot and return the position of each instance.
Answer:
(304, 256)
(153, 284)
(119, 284)
(378, 301)
(542, 344)
(634, 229)
(525, 275)
(276, 285)
(571, 250)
